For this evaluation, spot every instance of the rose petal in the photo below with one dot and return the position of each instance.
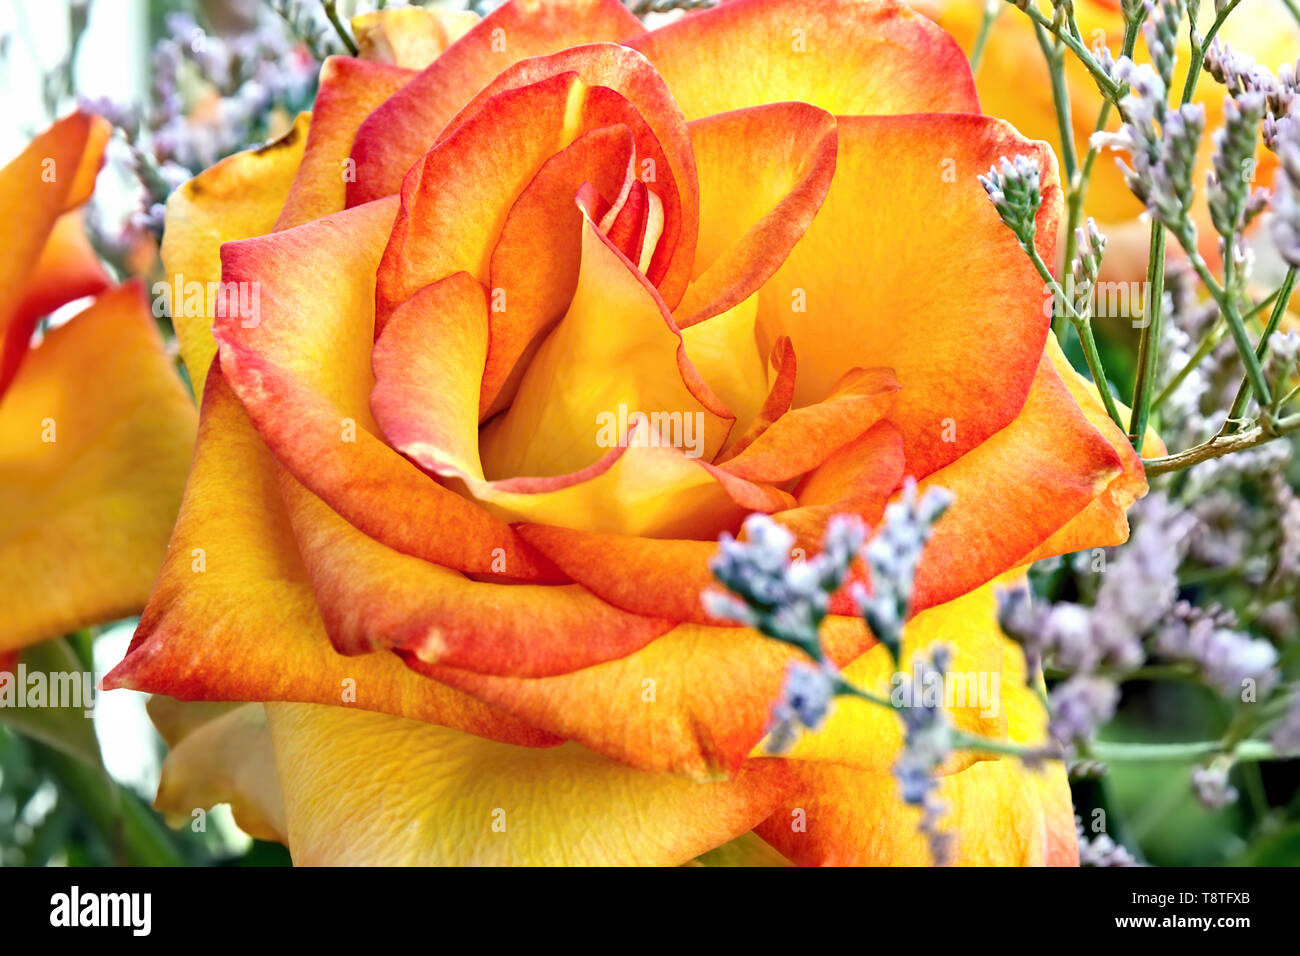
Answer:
(847, 57)
(985, 674)
(1001, 815)
(857, 479)
(372, 596)
(550, 431)
(999, 812)
(1104, 522)
(46, 262)
(218, 753)
(425, 400)
(694, 701)
(399, 132)
(455, 201)
(239, 197)
(665, 159)
(409, 37)
(349, 90)
(534, 266)
(302, 371)
(96, 434)
(233, 616)
(1026, 481)
(784, 155)
(367, 789)
(724, 350)
(804, 438)
(907, 266)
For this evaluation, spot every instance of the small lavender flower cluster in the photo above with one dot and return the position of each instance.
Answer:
(1161, 143)
(784, 599)
(1241, 75)
(1285, 505)
(250, 72)
(893, 556)
(1286, 201)
(1227, 660)
(1228, 190)
(1286, 733)
(1137, 617)
(927, 743)
(1160, 30)
(1259, 95)
(788, 599)
(805, 702)
(1015, 192)
(1101, 850)
(1091, 246)
(1136, 610)
(1201, 388)
(1211, 786)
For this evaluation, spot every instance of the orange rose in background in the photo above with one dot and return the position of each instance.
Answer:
(96, 429)
(533, 326)
(1014, 83)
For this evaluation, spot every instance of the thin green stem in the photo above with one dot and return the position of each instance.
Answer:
(1177, 672)
(961, 740)
(332, 14)
(1198, 53)
(1208, 344)
(1254, 371)
(1260, 306)
(966, 741)
(1108, 87)
(1082, 326)
(1221, 445)
(134, 834)
(992, 10)
(1054, 54)
(1149, 341)
(846, 688)
(1078, 185)
(1246, 751)
(1283, 297)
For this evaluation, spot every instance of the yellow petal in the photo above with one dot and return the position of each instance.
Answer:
(96, 434)
(867, 736)
(239, 197)
(410, 37)
(367, 789)
(615, 321)
(218, 753)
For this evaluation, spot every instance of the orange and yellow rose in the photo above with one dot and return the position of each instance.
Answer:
(477, 629)
(96, 428)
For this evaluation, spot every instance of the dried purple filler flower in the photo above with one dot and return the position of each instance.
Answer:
(805, 702)
(1079, 706)
(1210, 783)
(927, 743)
(1101, 850)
